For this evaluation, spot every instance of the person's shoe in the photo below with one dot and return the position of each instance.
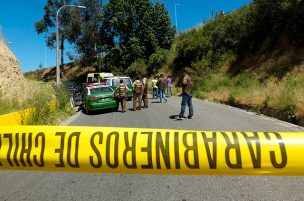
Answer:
(190, 117)
(179, 118)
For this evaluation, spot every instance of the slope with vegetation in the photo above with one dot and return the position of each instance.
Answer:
(18, 93)
(252, 57)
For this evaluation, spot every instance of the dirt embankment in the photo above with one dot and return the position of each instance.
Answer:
(71, 71)
(10, 72)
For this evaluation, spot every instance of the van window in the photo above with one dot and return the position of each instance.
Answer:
(116, 82)
(108, 82)
(96, 76)
(126, 80)
(100, 90)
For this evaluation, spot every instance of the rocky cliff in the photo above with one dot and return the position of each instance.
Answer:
(10, 72)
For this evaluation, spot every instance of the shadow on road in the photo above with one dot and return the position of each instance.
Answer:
(98, 112)
(173, 116)
(155, 102)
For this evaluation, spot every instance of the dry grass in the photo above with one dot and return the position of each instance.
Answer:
(33, 94)
(285, 95)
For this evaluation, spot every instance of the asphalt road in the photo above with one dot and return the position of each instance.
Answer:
(25, 185)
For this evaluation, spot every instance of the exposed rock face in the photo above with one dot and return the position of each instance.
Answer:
(10, 72)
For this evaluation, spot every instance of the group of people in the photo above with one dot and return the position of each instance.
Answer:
(159, 84)
(139, 90)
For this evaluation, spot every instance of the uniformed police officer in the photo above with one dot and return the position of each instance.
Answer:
(122, 90)
(137, 90)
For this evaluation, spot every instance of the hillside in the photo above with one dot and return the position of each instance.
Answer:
(72, 71)
(251, 58)
(10, 72)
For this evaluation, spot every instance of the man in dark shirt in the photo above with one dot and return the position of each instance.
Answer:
(187, 86)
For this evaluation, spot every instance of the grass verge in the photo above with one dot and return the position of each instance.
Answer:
(50, 105)
(282, 99)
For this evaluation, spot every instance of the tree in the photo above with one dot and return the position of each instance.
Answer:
(85, 25)
(134, 30)
(165, 33)
(48, 24)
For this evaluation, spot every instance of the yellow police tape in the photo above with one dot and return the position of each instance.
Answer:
(150, 151)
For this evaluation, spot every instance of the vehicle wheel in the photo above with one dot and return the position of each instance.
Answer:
(87, 111)
(115, 109)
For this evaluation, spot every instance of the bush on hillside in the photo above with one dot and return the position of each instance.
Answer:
(157, 61)
(137, 68)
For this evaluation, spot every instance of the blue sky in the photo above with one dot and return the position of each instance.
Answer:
(17, 18)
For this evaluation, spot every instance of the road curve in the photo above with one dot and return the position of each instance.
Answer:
(27, 185)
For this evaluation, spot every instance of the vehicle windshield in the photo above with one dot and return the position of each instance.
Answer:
(116, 82)
(100, 90)
(93, 78)
(126, 80)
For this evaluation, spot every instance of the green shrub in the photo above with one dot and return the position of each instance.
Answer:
(138, 68)
(62, 97)
(157, 61)
(40, 100)
(245, 81)
(200, 95)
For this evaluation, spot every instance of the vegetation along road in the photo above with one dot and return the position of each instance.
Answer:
(19, 185)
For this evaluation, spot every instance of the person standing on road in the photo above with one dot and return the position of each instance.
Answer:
(169, 86)
(162, 82)
(137, 90)
(122, 90)
(187, 86)
(154, 87)
(145, 92)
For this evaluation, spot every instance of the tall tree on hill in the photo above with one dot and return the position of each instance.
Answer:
(133, 29)
(85, 25)
(165, 33)
(48, 24)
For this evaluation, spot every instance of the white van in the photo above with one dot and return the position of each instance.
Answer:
(97, 78)
(115, 81)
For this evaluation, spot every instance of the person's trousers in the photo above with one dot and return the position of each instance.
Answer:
(155, 93)
(145, 99)
(135, 98)
(186, 100)
(169, 91)
(123, 101)
(162, 95)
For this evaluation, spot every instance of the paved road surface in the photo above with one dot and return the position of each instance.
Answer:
(23, 185)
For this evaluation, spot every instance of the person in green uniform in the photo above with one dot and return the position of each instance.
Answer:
(137, 92)
(122, 90)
